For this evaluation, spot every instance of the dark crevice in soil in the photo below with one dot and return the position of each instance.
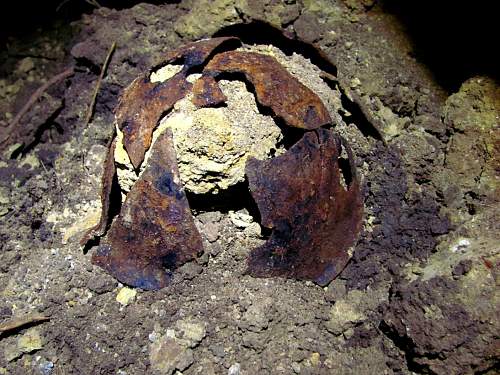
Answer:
(495, 369)
(234, 198)
(358, 118)
(115, 206)
(407, 347)
(22, 18)
(41, 133)
(345, 171)
(258, 32)
(453, 39)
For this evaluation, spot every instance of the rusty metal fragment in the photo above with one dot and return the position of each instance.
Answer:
(106, 187)
(314, 219)
(141, 107)
(143, 102)
(274, 87)
(196, 53)
(154, 232)
(315, 216)
(207, 93)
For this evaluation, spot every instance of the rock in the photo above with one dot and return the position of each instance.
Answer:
(354, 308)
(335, 291)
(190, 270)
(213, 144)
(253, 230)
(209, 217)
(257, 316)
(101, 284)
(191, 330)
(43, 366)
(234, 369)
(30, 341)
(240, 219)
(211, 231)
(25, 65)
(256, 340)
(4, 201)
(126, 295)
(173, 350)
(314, 359)
(27, 343)
(216, 13)
(472, 159)
(168, 354)
(217, 350)
(308, 28)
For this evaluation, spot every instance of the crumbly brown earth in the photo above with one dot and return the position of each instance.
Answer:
(419, 295)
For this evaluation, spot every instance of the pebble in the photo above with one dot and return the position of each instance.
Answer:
(168, 354)
(234, 369)
(314, 359)
(126, 295)
(25, 65)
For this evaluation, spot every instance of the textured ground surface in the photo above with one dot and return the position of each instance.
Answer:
(420, 294)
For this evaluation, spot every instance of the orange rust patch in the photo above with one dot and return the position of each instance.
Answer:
(207, 93)
(143, 102)
(314, 219)
(154, 232)
(274, 87)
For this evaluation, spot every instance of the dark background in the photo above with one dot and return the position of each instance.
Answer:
(456, 40)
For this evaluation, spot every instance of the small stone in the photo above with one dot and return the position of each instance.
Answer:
(314, 359)
(153, 336)
(211, 231)
(44, 366)
(168, 354)
(307, 27)
(240, 219)
(355, 82)
(234, 369)
(192, 331)
(460, 246)
(336, 291)
(215, 249)
(257, 316)
(253, 230)
(462, 268)
(296, 367)
(348, 333)
(25, 65)
(27, 343)
(165, 72)
(11, 150)
(217, 350)
(101, 284)
(30, 161)
(191, 270)
(30, 341)
(126, 295)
